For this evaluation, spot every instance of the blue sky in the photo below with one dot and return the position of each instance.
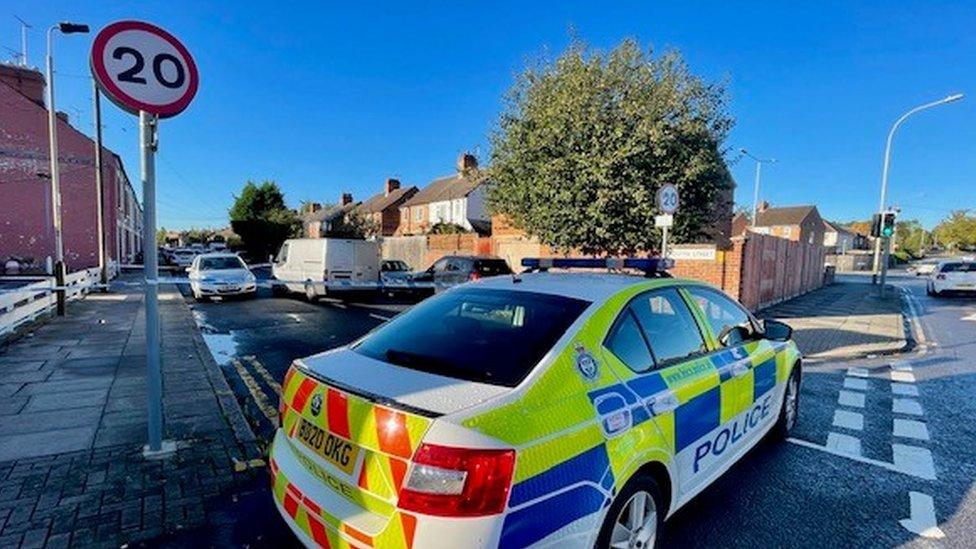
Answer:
(331, 98)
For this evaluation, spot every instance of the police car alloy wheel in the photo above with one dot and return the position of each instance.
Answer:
(634, 518)
(636, 525)
(792, 400)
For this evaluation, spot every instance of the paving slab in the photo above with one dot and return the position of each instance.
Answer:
(844, 320)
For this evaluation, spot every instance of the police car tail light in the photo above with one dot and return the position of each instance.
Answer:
(458, 482)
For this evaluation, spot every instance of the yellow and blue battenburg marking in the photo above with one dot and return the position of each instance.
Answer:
(578, 440)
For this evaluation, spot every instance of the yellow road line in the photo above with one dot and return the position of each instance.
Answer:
(257, 394)
(265, 375)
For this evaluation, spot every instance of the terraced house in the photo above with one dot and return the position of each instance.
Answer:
(457, 199)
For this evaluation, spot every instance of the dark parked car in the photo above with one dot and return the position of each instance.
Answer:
(456, 269)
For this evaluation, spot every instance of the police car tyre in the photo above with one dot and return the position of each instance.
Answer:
(790, 410)
(635, 517)
(278, 290)
(310, 294)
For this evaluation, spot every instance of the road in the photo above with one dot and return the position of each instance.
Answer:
(868, 464)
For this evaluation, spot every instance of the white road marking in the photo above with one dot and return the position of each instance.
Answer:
(971, 318)
(907, 406)
(901, 366)
(914, 460)
(857, 458)
(848, 420)
(922, 519)
(902, 377)
(844, 444)
(855, 384)
(379, 317)
(857, 372)
(909, 428)
(904, 390)
(854, 400)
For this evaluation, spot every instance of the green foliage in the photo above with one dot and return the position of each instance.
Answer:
(446, 228)
(161, 236)
(354, 224)
(911, 239)
(958, 231)
(261, 219)
(584, 143)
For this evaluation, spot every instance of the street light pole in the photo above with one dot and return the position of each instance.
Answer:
(880, 268)
(755, 194)
(99, 186)
(52, 122)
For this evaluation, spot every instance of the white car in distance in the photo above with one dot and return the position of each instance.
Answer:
(953, 276)
(219, 275)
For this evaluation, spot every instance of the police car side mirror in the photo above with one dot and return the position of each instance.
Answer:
(776, 330)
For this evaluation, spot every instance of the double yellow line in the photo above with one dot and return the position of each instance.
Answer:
(264, 403)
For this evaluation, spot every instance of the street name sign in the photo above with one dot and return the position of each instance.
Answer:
(141, 67)
(663, 220)
(667, 198)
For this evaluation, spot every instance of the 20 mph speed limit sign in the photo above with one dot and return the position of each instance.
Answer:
(141, 67)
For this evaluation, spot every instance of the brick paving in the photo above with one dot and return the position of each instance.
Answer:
(73, 423)
(844, 320)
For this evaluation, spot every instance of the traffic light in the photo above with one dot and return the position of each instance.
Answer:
(876, 225)
(888, 224)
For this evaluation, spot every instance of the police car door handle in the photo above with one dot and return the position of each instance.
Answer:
(663, 403)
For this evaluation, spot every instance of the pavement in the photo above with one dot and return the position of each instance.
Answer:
(73, 423)
(847, 319)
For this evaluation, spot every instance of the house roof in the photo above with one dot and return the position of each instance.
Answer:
(838, 228)
(792, 215)
(381, 201)
(330, 214)
(445, 188)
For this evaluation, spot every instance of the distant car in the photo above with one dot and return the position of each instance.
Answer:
(394, 271)
(953, 276)
(183, 257)
(218, 247)
(213, 275)
(457, 269)
(924, 267)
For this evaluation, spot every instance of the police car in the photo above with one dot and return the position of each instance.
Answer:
(561, 409)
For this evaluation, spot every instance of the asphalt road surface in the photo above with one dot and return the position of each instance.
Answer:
(883, 454)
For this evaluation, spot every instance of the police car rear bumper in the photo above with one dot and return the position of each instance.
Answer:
(430, 531)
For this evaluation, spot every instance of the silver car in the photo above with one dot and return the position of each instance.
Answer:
(215, 275)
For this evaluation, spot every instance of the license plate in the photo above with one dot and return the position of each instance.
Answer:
(335, 450)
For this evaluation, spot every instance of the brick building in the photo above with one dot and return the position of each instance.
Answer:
(26, 220)
(796, 223)
(383, 209)
(457, 199)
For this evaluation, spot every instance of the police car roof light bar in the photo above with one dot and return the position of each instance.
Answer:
(651, 266)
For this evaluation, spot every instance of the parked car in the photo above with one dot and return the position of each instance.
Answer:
(495, 415)
(393, 271)
(183, 257)
(953, 276)
(924, 267)
(457, 269)
(213, 275)
(309, 265)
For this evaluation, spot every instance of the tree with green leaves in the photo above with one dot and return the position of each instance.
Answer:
(261, 218)
(958, 231)
(911, 239)
(584, 143)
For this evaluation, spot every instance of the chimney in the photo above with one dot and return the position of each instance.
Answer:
(391, 185)
(312, 207)
(467, 162)
(63, 116)
(28, 82)
(346, 198)
(763, 206)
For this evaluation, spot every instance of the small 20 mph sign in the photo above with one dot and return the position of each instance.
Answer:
(141, 67)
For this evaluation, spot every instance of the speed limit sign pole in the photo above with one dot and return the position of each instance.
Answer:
(148, 72)
(667, 201)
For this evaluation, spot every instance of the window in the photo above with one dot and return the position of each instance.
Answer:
(418, 214)
(958, 268)
(282, 254)
(730, 323)
(491, 267)
(440, 264)
(627, 343)
(488, 336)
(220, 263)
(668, 325)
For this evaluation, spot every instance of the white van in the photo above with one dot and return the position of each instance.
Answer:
(303, 264)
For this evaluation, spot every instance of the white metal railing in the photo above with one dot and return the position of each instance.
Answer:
(26, 303)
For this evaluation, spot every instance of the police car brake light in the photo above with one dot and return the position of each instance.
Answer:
(646, 264)
(458, 482)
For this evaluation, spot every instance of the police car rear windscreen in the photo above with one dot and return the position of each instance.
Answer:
(488, 336)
